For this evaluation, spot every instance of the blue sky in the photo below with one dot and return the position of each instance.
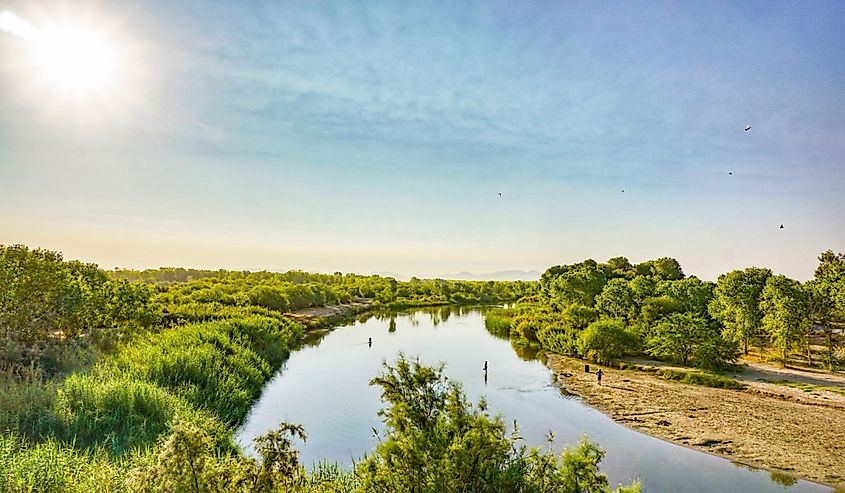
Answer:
(376, 136)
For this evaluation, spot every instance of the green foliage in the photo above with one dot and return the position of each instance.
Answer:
(736, 303)
(119, 413)
(218, 365)
(436, 441)
(53, 467)
(786, 313)
(605, 341)
(616, 299)
(296, 290)
(667, 268)
(44, 300)
(683, 337)
(25, 404)
(700, 378)
(826, 293)
(498, 321)
(578, 283)
(808, 387)
(186, 460)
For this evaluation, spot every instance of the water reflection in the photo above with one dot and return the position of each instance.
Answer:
(324, 387)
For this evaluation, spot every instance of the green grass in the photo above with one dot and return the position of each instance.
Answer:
(55, 467)
(700, 378)
(117, 413)
(808, 387)
(209, 373)
(498, 321)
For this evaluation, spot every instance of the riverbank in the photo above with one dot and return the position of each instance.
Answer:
(324, 316)
(766, 425)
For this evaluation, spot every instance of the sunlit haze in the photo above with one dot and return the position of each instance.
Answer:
(423, 138)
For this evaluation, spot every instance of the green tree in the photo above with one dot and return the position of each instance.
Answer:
(667, 268)
(827, 301)
(691, 293)
(736, 303)
(579, 316)
(579, 283)
(678, 336)
(605, 341)
(620, 265)
(786, 313)
(616, 299)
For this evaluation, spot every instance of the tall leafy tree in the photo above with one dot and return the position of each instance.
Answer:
(786, 313)
(616, 299)
(736, 303)
(580, 283)
(667, 268)
(827, 300)
(677, 337)
(691, 293)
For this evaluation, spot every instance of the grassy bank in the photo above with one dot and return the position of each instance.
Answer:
(90, 428)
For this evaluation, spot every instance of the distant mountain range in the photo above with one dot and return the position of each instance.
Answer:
(504, 275)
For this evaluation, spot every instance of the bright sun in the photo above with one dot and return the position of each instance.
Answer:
(75, 59)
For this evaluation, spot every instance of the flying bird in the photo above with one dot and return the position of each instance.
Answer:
(500, 194)
(623, 190)
(781, 226)
(730, 173)
(747, 127)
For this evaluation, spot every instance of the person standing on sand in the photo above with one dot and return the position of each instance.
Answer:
(599, 374)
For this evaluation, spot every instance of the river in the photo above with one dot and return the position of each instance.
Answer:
(324, 387)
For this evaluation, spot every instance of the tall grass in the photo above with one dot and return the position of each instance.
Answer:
(51, 466)
(220, 366)
(83, 433)
(118, 413)
(498, 321)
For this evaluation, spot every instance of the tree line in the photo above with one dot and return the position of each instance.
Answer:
(48, 303)
(603, 311)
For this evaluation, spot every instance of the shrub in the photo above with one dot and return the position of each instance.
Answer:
(498, 321)
(605, 341)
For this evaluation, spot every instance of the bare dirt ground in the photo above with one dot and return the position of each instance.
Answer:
(308, 315)
(766, 425)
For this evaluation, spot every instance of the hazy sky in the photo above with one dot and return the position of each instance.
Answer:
(376, 136)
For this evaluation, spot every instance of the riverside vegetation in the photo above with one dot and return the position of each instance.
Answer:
(128, 381)
(134, 380)
(605, 311)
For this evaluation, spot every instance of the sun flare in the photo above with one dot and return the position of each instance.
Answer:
(75, 59)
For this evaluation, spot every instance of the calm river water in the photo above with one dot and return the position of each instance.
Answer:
(324, 387)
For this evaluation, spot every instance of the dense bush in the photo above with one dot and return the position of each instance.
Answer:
(435, 441)
(45, 300)
(498, 321)
(605, 341)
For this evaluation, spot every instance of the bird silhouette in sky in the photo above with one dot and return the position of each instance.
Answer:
(500, 194)
(623, 190)
(730, 173)
(781, 226)
(747, 128)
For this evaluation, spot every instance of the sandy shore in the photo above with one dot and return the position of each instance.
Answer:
(766, 425)
(315, 316)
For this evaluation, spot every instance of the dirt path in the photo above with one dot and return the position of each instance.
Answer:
(766, 425)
